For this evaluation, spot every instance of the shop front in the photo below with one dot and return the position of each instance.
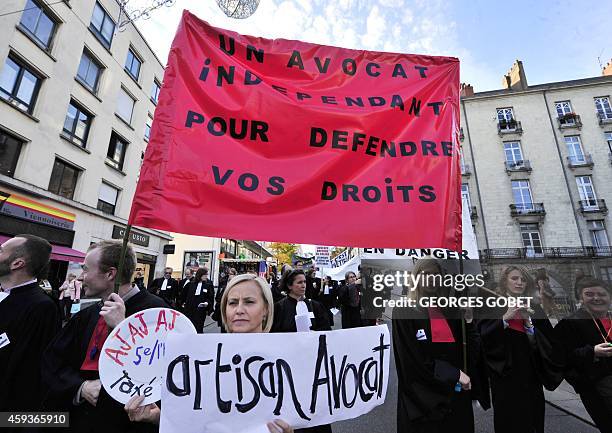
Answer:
(23, 215)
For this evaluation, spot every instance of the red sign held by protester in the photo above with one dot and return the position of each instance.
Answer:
(289, 141)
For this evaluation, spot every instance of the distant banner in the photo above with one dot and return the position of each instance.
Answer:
(132, 362)
(219, 383)
(322, 256)
(296, 142)
(340, 259)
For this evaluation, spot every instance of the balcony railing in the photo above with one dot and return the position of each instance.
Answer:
(461, 135)
(473, 212)
(605, 117)
(509, 127)
(466, 169)
(548, 252)
(610, 157)
(569, 120)
(585, 160)
(520, 209)
(593, 205)
(523, 165)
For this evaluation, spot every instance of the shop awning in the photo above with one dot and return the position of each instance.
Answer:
(63, 254)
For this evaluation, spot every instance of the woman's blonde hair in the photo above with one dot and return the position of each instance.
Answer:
(266, 294)
(502, 287)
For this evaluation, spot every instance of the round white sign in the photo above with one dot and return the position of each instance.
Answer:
(133, 361)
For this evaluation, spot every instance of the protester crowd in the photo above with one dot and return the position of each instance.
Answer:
(445, 358)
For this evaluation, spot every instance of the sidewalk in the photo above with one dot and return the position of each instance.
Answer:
(566, 399)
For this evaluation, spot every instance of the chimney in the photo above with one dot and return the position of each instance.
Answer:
(466, 90)
(607, 70)
(515, 79)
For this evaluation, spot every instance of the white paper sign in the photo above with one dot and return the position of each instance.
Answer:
(132, 359)
(221, 383)
(322, 255)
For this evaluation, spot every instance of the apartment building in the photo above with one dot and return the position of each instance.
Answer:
(537, 173)
(78, 91)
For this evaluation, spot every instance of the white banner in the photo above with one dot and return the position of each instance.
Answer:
(222, 383)
(132, 358)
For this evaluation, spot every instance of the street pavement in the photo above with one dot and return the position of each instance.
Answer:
(565, 415)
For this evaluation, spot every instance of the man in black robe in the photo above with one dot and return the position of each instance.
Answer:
(29, 319)
(200, 300)
(165, 287)
(70, 363)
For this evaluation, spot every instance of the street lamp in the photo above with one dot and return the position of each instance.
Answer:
(238, 9)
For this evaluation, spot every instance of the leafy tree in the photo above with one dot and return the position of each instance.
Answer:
(283, 252)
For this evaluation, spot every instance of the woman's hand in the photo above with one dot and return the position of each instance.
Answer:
(465, 381)
(603, 350)
(147, 413)
(279, 426)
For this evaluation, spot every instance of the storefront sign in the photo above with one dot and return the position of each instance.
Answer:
(135, 237)
(18, 206)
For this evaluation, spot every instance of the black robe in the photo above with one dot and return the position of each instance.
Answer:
(428, 372)
(285, 310)
(518, 366)
(30, 319)
(62, 375)
(181, 295)
(169, 294)
(284, 321)
(583, 371)
(196, 314)
(350, 305)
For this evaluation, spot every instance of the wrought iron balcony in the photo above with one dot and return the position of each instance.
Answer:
(461, 135)
(569, 120)
(605, 117)
(593, 205)
(523, 165)
(511, 126)
(466, 170)
(548, 252)
(610, 157)
(527, 209)
(585, 160)
(473, 212)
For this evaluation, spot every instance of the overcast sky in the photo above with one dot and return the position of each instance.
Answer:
(557, 40)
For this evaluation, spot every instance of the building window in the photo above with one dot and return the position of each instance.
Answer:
(522, 195)
(513, 153)
(38, 24)
(89, 72)
(609, 140)
(602, 105)
(155, 91)
(574, 150)
(532, 241)
(63, 179)
(132, 64)
(77, 124)
(10, 148)
(564, 113)
(102, 25)
(147, 132)
(19, 85)
(125, 105)
(107, 198)
(587, 192)
(465, 196)
(116, 151)
(505, 119)
(599, 237)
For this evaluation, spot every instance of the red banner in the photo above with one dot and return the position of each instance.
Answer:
(289, 141)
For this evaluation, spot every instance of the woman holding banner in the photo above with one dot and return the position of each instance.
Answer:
(521, 355)
(246, 307)
(586, 336)
(434, 387)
